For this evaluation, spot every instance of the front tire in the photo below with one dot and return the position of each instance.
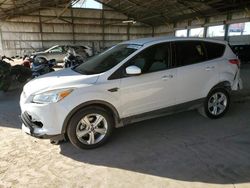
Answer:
(90, 127)
(216, 104)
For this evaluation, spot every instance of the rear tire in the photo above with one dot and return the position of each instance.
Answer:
(90, 127)
(216, 104)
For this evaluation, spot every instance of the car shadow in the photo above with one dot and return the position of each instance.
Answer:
(9, 109)
(183, 146)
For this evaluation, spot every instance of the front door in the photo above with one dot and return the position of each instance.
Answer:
(154, 89)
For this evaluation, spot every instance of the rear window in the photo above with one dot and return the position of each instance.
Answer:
(214, 50)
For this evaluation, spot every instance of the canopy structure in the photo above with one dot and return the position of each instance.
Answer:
(158, 12)
(152, 12)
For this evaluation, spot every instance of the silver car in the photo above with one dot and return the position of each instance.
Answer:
(58, 52)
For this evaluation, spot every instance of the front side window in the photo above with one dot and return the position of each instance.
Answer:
(189, 52)
(153, 59)
(107, 60)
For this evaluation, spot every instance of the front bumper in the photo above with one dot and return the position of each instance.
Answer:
(42, 120)
(31, 128)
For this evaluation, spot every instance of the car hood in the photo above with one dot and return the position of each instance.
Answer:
(66, 78)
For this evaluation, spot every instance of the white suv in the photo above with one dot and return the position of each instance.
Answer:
(130, 82)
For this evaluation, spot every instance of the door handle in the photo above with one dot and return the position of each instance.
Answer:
(166, 77)
(209, 68)
(115, 89)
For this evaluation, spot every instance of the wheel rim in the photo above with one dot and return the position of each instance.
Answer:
(91, 129)
(217, 103)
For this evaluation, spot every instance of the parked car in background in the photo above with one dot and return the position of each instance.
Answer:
(131, 82)
(242, 51)
(58, 52)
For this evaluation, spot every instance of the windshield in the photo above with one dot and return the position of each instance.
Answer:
(50, 48)
(107, 60)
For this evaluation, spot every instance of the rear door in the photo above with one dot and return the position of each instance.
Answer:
(195, 72)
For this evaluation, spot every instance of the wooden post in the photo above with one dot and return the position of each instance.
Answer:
(41, 28)
(103, 29)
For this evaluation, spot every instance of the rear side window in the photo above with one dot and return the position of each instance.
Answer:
(189, 52)
(214, 50)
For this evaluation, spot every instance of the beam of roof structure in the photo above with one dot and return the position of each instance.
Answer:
(12, 8)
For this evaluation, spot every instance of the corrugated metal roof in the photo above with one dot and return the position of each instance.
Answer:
(152, 12)
(158, 12)
(12, 8)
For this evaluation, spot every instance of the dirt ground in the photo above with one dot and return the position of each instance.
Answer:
(180, 151)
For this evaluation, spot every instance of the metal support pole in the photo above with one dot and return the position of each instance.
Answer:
(128, 31)
(188, 32)
(103, 29)
(205, 28)
(41, 28)
(205, 32)
(2, 48)
(73, 25)
(188, 29)
(226, 38)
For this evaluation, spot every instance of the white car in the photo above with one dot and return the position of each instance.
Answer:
(130, 82)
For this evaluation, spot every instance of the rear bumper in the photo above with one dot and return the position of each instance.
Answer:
(34, 130)
(240, 84)
(237, 85)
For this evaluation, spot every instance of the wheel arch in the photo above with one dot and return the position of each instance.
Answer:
(222, 85)
(97, 103)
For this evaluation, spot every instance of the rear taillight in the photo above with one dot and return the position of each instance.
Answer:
(235, 62)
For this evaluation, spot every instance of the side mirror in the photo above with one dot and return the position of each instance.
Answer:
(133, 70)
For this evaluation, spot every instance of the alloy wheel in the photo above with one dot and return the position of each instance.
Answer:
(91, 129)
(217, 103)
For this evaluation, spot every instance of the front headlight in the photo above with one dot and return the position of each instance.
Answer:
(51, 96)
